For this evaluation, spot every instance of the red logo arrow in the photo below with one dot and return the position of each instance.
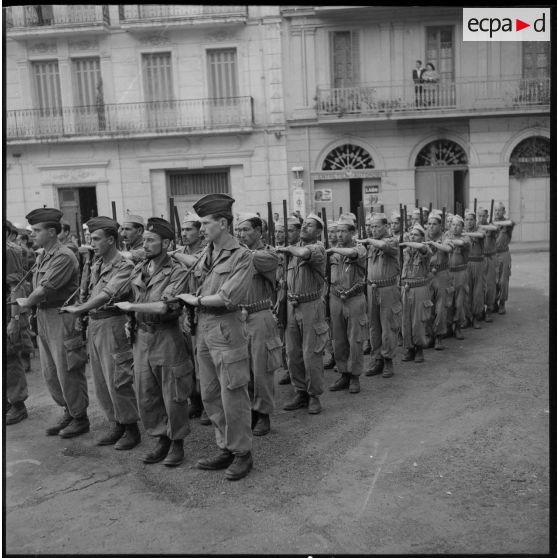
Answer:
(519, 25)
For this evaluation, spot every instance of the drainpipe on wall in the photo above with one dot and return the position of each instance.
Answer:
(266, 131)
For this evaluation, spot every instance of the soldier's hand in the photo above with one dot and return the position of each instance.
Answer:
(188, 298)
(128, 330)
(23, 302)
(125, 306)
(282, 249)
(364, 241)
(73, 309)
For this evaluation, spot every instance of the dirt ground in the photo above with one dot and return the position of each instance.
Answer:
(448, 456)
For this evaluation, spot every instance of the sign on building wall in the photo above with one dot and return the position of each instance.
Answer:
(324, 194)
(298, 201)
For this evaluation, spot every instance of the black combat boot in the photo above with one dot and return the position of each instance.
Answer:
(78, 425)
(220, 461)
(240, 467)
(159, 452)
(114, 434)
(419, 357)
(438, 343)
(388, 368)
(409, 355)
(376, 368)
(176, 454)
(62, 423)
(299, 400)
(262, 426)
(16, 413)
(341, 383)
(354, 384)
(130, 439)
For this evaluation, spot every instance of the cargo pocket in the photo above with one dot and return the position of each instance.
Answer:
(181, 375)
(76, 354)
(274, 354)
(123, 368)
(364, 329)
(322, 335)
(449, 296)
(426, 310)
(396, 316)
(236, 365)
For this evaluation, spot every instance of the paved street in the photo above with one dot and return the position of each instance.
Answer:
(448, 456)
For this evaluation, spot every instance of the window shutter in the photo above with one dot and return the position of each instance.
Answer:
(157, 76)
(87, 74)
(222, 72)
(199, 183)
(47, 85)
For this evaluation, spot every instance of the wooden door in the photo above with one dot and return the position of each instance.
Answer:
(529, 207)
(434, 186)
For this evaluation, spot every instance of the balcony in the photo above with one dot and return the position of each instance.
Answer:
(134, 120)
(55, 20)
(453, 98)
(150, 16)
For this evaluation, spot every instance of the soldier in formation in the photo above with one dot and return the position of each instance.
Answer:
(420, 283)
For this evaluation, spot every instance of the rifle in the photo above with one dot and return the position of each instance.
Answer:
(420, 217)
(340, 211)
(429, 208)
(443, 218)
(282, 310)
(416, 203)
(475, 207)
(271, 225)
(491, 210)
(171, 218)
(405, 216)
(401, 235)
(328, 269)
(178, 235)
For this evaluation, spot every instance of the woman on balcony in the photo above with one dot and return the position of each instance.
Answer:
(431, 79)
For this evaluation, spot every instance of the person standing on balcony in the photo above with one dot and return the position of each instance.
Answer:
(431, 79)
(417, 79)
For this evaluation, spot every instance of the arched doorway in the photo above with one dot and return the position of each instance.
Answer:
(441, 175)
(530, 189)
(347, 176)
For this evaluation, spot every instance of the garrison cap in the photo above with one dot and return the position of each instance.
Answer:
(345, 221)
(44, 215)
(279, 226)
(246, 216)
(161, 227)
(435, 215)
(379, 217)
(481, 210)
(349, 215)
(332, 225)
(213, 203)
(136, 219)
(190, 218)
(470, 212)
(499, 205)
(101, 222)
(395, 215)
(293, 221)
(316, 218)
(420, 229)
(415, 211)
(457, 218)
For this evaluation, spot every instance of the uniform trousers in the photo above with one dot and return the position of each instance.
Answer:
(306, 337)
(384, 313)
(503, 272)
(163, 378)
(63, 357)
(224, 363)
(417, 307)
(265, 348)
(490, 281)
(460, 281)
(441, 292)
(111, 360)
(16, 382)
(349, 329)
(477, 283)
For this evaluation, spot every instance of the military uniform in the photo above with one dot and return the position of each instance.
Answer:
(61, 345)
(476, 278)
(458, 259)
(307, 332)
(264, 344)
(163, 369)
(384, 303)
(503, 264)
(349, 322)
(110, 355)
(415, 298)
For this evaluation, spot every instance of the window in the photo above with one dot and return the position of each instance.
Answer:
(47, 87)
(87, 82)
(198, 183)
(345, 58)
(222, 72)
(536, 59)
(157, 76)
(531, 158)
(439, 50)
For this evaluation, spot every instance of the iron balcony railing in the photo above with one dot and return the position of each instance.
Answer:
(43, 15)
(450, 95)
(122, 119)
(148, 12)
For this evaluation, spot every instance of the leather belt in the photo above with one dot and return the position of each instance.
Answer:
(150, 327)
(461, 267)
(256, 306)
(488, 254)
(349, 293)
(215, 310)
(412, 283)
(476, 258)
(50, 304)
(102, 314)
(439, 267)
(383, 282)
(296, 299)
(502, 251)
